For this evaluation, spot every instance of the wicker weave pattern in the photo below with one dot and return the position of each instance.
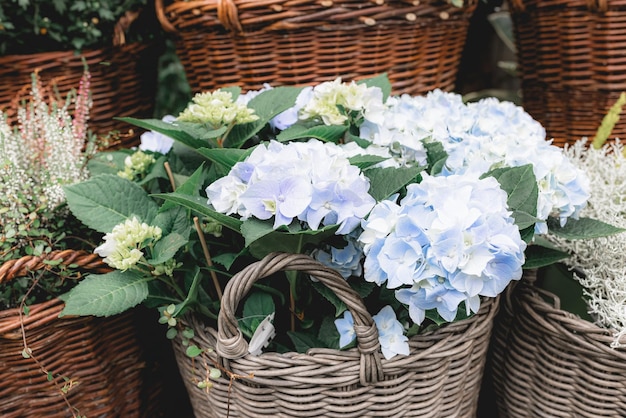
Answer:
(549, 363)
(440, 378)
(571, 62)
(123, 82)
(295, 42)
(102, 354)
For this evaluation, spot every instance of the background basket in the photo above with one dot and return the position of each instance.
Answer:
(547, 362)
(572, 63)
(101, 354)
(123, 82)
(287, 42)
(440, 378)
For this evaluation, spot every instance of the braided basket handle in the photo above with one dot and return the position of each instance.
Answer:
(593, 5)
(20, 267)
(230, 341)
(227, 14)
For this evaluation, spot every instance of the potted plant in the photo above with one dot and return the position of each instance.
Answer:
(119, 40)
(52, 366)
(569, 317)
(384, 229)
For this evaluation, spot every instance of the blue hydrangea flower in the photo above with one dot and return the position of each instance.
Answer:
(450, 240)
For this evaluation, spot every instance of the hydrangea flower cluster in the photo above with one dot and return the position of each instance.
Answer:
(335, 102)
(479, 137)
(136, 165)
(216, 108)
(312, 181)
(390, 332)
(155, 141)
(449, 240)
(122, 246)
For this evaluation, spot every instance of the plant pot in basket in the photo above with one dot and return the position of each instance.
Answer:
(440, 376)
(570, 61)
(59, 367)
(121, 58)
(421, 208)
(249, 44)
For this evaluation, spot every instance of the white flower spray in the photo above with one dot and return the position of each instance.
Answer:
(602, 259)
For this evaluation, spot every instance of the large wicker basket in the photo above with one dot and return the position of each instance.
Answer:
(572, 63)
(101, 356)
(547, 362)
(123, 82)
(441, 376)
(286, 42)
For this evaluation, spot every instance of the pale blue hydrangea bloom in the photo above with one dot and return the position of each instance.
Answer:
(449, 240)
(312, 182)
(347, 261)
(390, 332)
(155, 141)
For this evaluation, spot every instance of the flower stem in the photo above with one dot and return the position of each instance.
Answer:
(207, 256)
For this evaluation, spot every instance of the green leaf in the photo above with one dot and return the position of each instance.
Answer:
(186, 133)
(303, 342)
(256, 308)
(330, 296)
(106, 200)
(436, 156)
(107, 162)
(365, 161)
(382, 82)
(225, 157)
(191, 187)
(520, 184)
(266, 105)
(106, 294)
(560, 281)
(540, 256)
(583, 228)
(332, 133)
(166, 248)
(193, 351)
(261, 240)
(386, 181)
(199, 204)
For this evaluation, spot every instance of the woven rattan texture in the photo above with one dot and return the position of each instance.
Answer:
(572, 63)
(295, 42)
(123, 82)
(548, 363)
(102, 355)
(440, 378)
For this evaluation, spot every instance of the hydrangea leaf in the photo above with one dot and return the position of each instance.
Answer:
(303, 342)
(266, 105)
(107, 162)
(193, 135)
(107, 200)
(365, 161)
(539, 256)
(436, 155)
(199, 204)
(327, 133)
(386, 181)
(520, 184)
(226, 158)
(583, 228)
(166, 248)
(106, 294)
(191, 186)
(262, 239)
(381, 81)
(256, 308)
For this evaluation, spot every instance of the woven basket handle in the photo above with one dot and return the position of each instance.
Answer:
(593, 5)
(22, 266)
(230, 341)
(227, 13)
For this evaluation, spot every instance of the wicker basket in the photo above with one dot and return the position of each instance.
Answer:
(547, 362)
(101, 354)
(123, 82)
(572, 63)
(441, 377)
(286, 42)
